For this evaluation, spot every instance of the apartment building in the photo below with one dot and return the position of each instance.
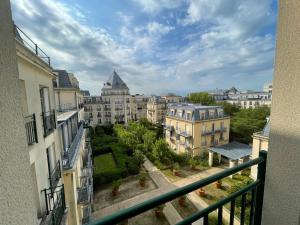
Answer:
(113, 106)
(77, 172)
(138, 106)
(156, 109)
(171, 98)
(244, 99)
(68, 95)
(191, 128)
(58, 147)
(260, 142)
(38, 107)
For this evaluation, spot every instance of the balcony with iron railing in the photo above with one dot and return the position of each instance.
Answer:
(55, 175)
(31, 131)
(212, 132)
(49, 122)
(55, 206)
(69, 155)
(84, 193)
(253, 193)
(23, 38)
(65, 107)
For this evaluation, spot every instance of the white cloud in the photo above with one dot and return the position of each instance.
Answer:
(155, 6)
(228, 51)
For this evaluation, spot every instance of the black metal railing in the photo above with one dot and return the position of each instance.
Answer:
(49, 122)
(31, 131)
(70, 154)
(84, 193)
(26, 41)
(55, 175)
(55, 206)
(255, 190)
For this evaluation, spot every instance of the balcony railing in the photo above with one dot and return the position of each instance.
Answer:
(31, 131)
(55, 175)
(55, 206)
(26, 41)
(84, 192)
(49, 122)
(255, 190)
(65, 107)
(70, 155)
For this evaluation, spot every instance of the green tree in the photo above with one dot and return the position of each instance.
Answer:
(229, 109)
(161, 151)
(137, 129)
(149, 139)
(201, 97)
(248, 121)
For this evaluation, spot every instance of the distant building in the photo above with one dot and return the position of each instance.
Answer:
(138, 106)
(68, 95)
(243, 99)
(268, 87)
(115, 105)
(260, 142)
(193, 128)
(157, 106)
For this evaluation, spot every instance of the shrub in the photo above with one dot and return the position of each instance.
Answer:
(142, 177)
(116, 184)
(176, 166)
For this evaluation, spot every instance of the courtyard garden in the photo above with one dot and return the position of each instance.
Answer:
(219, 190)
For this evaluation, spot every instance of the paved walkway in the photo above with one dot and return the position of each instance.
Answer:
(164, 185)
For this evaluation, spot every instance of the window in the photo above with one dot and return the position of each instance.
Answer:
(202, 116)
(99, 121)
(45, 103)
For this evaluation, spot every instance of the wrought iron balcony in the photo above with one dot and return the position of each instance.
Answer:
(55, 206)
(84, 193)
(49, 122)
(184, 133)
(255, 190)
(31, 131)
(69, 156)
(55, 175)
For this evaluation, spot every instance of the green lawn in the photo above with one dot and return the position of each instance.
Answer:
(104, 163)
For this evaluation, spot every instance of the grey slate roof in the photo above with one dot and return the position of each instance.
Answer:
(233, 150)
(63, 79)
(115, 82)
(196, 110)
(86, 93)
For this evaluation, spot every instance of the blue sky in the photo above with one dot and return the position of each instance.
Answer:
(157, 46)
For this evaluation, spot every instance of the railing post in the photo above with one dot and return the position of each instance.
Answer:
(36, 49)
(34, 128)
(261, 174)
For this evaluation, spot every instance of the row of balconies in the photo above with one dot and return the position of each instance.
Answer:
(70, 154)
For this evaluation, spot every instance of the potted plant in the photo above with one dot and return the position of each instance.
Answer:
(142, 179)
(182, 201)
(201, 192)
(219, 184)
(158, 211)
(193, 163)
(176, 168)
(115, 187)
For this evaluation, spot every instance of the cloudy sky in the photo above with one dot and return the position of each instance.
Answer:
(157, 46)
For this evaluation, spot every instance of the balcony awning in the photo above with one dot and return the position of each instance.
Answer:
(233, 150)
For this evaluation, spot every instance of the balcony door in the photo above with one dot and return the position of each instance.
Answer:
(45, 103)
(50, 158)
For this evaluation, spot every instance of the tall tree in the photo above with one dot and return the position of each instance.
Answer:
(201, 97)
(248, 121)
